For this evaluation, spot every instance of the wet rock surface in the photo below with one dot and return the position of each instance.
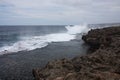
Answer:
(102, 64)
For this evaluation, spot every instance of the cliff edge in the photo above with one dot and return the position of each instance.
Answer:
(102, 64)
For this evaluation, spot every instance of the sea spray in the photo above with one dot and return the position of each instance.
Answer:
(33, 42)
(77, 29)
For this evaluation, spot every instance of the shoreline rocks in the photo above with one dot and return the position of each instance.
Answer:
(102, 64)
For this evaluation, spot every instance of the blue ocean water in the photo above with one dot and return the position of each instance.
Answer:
(28, 47)
(30, 37)
(26, 38)
(11, 34)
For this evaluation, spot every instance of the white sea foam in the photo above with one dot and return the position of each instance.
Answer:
(33, 42)
(77, 29)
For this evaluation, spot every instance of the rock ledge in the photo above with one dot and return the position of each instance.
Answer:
(102, 64)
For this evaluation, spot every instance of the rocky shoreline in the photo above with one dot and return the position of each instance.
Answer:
(103, 63)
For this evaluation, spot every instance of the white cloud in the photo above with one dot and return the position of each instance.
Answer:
(63, 9)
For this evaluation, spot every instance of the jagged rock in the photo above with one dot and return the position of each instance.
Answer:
(98, 37)
(59, 78)
(102, 64)
(70, 76)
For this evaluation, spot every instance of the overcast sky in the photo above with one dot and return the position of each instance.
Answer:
(21, 12)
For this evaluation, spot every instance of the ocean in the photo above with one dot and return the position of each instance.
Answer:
(23, 48)
(26, 38)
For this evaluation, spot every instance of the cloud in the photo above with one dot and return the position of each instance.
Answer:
(89, 11)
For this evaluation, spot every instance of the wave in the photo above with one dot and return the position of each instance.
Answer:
(33, 42)
(77, 29)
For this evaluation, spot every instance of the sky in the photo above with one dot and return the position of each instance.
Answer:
(58, 12)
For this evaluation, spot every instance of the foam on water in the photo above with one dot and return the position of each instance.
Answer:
(77, 29)
(33, 42)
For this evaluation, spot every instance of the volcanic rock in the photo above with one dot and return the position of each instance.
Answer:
(102, 64)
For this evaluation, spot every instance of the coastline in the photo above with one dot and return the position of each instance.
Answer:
(19, 65)
(102, 64)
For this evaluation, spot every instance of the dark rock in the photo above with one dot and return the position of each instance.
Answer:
(102, 64)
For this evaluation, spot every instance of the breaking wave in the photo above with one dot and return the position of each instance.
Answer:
(33, 42)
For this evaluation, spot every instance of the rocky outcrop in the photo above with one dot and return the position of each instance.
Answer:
(101, 37)
(102, 64)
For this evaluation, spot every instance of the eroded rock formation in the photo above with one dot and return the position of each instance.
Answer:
(102, 64)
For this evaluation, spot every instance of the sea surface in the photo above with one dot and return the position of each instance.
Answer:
(23, 48)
